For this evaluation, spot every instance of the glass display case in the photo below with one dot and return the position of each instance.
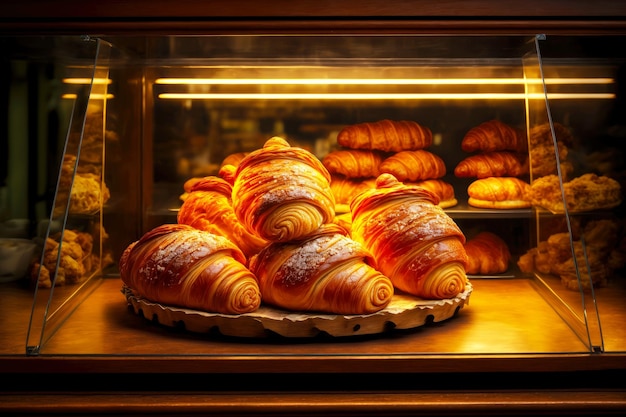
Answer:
(118, 127)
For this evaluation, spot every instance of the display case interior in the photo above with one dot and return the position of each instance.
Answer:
(130, 123)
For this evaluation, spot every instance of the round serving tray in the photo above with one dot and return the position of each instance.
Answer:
(403, 312)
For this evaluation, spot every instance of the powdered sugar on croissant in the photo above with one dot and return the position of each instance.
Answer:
(415, 243)
(327, 272)
(282, 193)
(177, 265)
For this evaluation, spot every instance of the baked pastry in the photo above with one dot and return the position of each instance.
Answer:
(494, 135)
(414, 165)
(386, 135)
(282, 193)
(584, 193)
(209, 207)
(492, 164)
(542, 151)
(344, 189)
(177, 265)
(233, 159)
(415, 243)
(499, 193)
(354, 163)
(442, 189)
(327, 272)
(487, 253)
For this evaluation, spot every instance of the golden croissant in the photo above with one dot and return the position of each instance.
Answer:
(415, 243)
(499, 193)
(487, 253)
(178, 265)
(344, 189)
(208, 207)
(354, 163)
(493, 164)
(386, 135)
(414, 165)
(282, 193)
(494, 135)
(442, 189)
(327, 272)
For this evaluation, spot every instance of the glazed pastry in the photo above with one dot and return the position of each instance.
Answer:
(487, 254)
(415, 243)
(386, 135)
(327, 272)
(354, 163)
(494, 135)
(282, 193)
(492, 164)
(177, 265)
(499, 193)
(414, 165)
(441, 188)
(208, 207)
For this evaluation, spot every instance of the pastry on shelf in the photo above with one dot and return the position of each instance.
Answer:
(178, 265)
(327, 272)
(414, 165)
(487, 254)
(584, 193)
(354, 163)
(542, 152)
(444, 190)
(386, 135)
(493, 164)
(345, 189)
(499, 193)
(494, 135)
(415, 243)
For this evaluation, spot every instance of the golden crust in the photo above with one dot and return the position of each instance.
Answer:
(584, 193)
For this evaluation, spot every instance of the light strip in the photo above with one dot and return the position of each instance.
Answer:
(383, 96)
(86, 81)
(95, 96)
(377, 81)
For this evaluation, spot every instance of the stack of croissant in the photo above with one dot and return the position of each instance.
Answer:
(499, 156)
(264, 232)
(397, 147)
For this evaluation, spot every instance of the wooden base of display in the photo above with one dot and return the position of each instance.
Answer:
(404, 312)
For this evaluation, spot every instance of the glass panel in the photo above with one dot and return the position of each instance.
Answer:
(559, 259)
(72, 253)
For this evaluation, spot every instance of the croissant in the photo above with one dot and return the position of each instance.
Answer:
(415, 243)
(208, 207)
(493, 164)
(354, 163)
(344, 189)
(386, 135)
(327, 272)
(499, 193)
(414, 165)
(233, 159)
(487, 254)
(492, 136)
(282, 193)
(442, 189)
(177, 265)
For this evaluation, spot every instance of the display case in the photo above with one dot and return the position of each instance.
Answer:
(106, 133)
